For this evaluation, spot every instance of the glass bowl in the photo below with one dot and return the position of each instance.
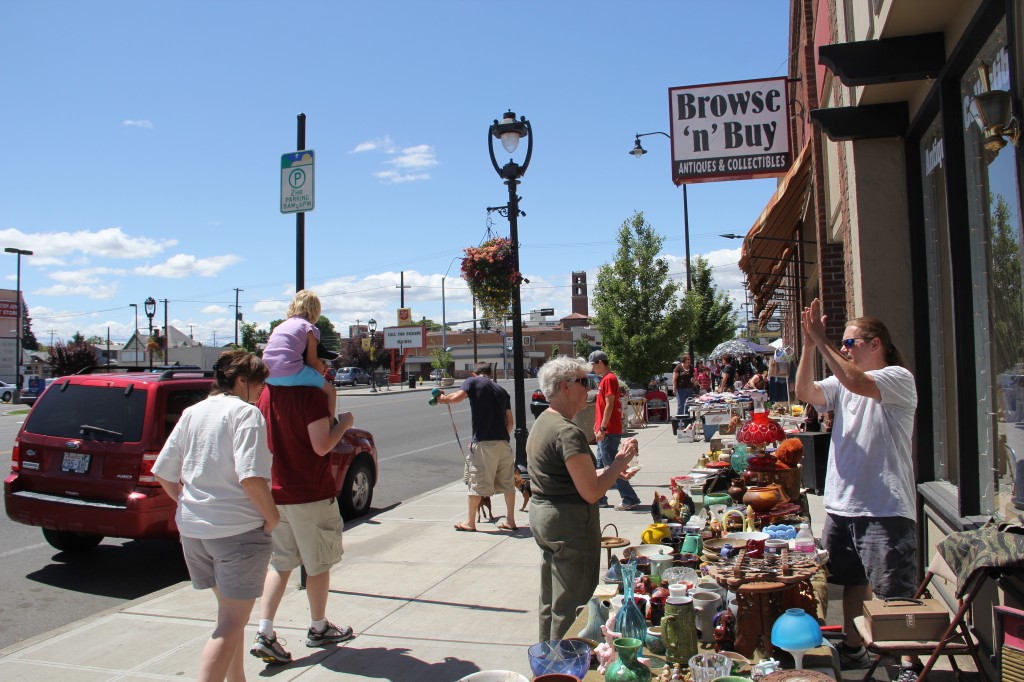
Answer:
(568, 656)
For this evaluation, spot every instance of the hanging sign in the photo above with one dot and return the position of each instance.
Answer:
(730, 131)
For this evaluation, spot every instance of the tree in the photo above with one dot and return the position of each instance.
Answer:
(708, 312)
(28, 339)
(250, 336)
(70, 358)
(582, 348)
(442, 360)
(96, 340)
(1007, 299)
(637, 305)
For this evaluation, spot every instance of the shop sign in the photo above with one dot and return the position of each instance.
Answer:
(400, 338)
(730, 131)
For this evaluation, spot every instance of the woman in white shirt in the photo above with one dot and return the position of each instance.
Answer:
(216, 466)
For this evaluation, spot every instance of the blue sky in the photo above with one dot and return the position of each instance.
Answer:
(144, 141)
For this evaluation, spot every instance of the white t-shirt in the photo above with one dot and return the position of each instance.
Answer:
(870, 466)
(216, 444)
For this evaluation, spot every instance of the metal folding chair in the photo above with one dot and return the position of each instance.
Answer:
(955, 641)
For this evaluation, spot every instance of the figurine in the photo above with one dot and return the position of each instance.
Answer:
(725, 631)
(748, 523)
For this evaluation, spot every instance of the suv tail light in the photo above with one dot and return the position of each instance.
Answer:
(15, 458)
(146, 476)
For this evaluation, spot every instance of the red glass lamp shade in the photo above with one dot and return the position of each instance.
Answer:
(760, 431)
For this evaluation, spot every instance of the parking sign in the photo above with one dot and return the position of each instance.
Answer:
(297, 194)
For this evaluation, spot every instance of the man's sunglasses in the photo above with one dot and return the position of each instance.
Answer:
(850, 343)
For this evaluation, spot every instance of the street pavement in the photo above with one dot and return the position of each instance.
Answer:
(427, 603)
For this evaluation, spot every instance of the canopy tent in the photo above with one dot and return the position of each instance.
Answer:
(733, 347)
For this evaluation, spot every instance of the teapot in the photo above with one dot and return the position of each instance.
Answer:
(655, 533)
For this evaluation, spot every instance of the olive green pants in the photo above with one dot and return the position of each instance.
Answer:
(569, 535)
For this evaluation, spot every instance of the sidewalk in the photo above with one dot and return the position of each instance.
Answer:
(427, 603)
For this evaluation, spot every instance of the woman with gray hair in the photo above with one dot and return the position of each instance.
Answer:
(567, 485)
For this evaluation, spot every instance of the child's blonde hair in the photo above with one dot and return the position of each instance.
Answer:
(306, 305)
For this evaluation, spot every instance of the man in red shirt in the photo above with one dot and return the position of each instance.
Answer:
(608, 428)
(300, 434)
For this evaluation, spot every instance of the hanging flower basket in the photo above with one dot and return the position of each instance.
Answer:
(491, 276)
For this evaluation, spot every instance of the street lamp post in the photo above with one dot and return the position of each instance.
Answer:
(510, 131)
(372, 325)
(639, 151)
(17, 337)
(150, 312)
(444, 318)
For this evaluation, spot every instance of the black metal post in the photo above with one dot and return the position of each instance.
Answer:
(689, 277)
(16, 397)
(517, 325)
(300, 220)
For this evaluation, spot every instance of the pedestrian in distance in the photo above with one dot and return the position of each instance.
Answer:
(608, 428)
(216, 466)
(870, 526)
(491, 460)
(301, 434)
(291, 352)
(567, 482)
(728, 375)
(683, 382)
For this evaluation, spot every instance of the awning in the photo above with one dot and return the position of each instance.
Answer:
(771, 244)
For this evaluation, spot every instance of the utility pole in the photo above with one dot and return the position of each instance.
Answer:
(51, 332)
(236, 315)
(191, 327)
(167, 335)
(402, 287)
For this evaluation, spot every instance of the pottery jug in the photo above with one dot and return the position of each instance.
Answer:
(692, 545)
(678, 629)
(655, 533)
(764, 498)
(626, 668)
(737, 489)
(653, 641)
(705, 604)
(597, 615)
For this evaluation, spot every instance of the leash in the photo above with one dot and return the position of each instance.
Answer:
(465, 458)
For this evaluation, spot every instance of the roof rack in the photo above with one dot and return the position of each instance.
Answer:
(170, 373)
(101, 369)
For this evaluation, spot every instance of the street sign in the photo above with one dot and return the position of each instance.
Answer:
(773, 326)
(297, 194)
(547, 311)
(400, 338)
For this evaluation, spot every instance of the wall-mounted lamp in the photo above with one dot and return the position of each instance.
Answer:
(995, 112)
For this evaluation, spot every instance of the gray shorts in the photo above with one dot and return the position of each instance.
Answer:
(876, 551)
(235, 565)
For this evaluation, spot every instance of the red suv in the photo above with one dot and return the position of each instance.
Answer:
(81, 467)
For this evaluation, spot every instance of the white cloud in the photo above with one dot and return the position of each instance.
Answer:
(94, 290)
(214, 310)
(183, 265)
(420, 156)
(382, 143)
(394, 177)
(137, 123)
(109, 242)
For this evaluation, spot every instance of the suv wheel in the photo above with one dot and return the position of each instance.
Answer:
(70, 542)
(357, 491)
(7, 396)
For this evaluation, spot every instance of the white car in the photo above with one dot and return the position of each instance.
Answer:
(6, 391)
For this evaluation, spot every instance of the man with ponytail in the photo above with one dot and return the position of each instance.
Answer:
(870, 527)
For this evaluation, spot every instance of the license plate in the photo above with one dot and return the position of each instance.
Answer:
(75, 463)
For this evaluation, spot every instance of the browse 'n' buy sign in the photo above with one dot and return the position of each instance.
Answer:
(730, 131)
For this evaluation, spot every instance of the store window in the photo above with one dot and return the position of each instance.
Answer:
(940, 297)
(998, 281)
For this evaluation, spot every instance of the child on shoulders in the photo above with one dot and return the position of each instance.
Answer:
(291, 350)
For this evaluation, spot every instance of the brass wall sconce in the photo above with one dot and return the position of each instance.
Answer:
(995, 112)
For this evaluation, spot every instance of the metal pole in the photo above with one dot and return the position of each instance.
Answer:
(686, 237)
(517, 326)
(167, 335)
(444, 319)
(17, 340)
(236, 315)
(300, 225)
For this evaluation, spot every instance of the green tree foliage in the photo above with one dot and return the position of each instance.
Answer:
(250, 336)
(28, 339)
(637, 305)
(582, 348)
(708, 312)
(442, 360)
(70, 358)
(1007, 298)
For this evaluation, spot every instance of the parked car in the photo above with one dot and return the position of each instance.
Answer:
(6, 391)
(351, 376)
(436, 375)
(81, 465)
(585, 418)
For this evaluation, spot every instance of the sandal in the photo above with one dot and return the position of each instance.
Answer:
(505, 526)
(464, 528)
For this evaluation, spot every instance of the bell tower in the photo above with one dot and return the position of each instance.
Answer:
(580, 302)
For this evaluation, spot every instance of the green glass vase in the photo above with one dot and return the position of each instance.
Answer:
(626, 668)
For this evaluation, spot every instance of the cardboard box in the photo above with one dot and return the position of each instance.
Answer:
(904, 620)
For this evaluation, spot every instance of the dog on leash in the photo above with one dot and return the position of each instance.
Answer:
(523, 485)
(483, 512)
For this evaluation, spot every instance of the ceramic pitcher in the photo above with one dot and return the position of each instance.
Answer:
(705, 604)
(655, 533)
(692, 545)
(678, 629)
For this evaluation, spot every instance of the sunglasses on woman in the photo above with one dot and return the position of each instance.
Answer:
(582, 381)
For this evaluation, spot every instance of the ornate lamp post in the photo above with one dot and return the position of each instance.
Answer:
(372, 326)
(16, 399)
(510, 132)
(150, 312)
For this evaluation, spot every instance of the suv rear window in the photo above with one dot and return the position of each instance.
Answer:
(114, 415)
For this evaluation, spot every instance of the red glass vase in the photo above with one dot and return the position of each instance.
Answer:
(760, 431)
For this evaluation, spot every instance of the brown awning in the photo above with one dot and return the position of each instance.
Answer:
(771, 243)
